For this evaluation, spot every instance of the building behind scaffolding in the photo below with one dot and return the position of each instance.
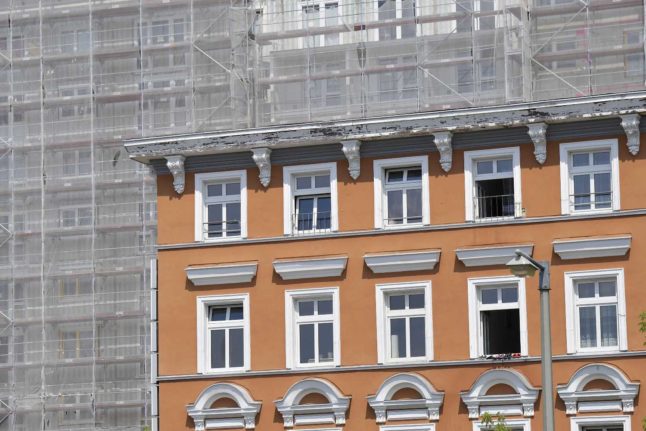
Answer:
(77, 218)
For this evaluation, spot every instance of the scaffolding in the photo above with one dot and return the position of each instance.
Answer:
(77, 77)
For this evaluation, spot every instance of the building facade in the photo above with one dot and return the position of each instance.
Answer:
(352, 276)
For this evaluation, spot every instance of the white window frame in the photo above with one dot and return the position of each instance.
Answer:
(291, 351)
(566, 149)
(203, 355)
(577, 423)
(571, 321)
(526, 424)
(475, 342)
(382, 290)
(322, 21)
(379, 168)
(470, 157)
(289, 207)
(200, 209)
(423, 427)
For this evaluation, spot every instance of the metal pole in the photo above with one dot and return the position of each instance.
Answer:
(546, 348)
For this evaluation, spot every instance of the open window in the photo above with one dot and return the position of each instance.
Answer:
(497, 316)
(492, 184)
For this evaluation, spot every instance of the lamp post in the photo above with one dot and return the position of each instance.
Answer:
(523, 265)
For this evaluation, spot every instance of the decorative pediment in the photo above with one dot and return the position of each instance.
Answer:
(206, 416)
(494, 255)
(228, 273)
(538, 134)
(478, 399)
(352, 152)
(311, 267)
(578, 398)
(295, 412)
(388, 407)
(406, 261)
(175, 165)
(584, 248)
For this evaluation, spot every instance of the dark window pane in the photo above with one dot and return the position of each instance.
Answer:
(484, 167)
(500, 331)
(607, 288)
(218, 314)
(608, 317)
(395, 206)
(581, 159)
(217, 349)
(581, 192)
(414, 175)
(489, 296)
(322, 181)
(414, 205)
(233, 219)
(306, 341)
(417, 337)
(510, 294)
(235, 313)
(214, 220)
(601, 158)
(303, 183)
(397, 302)
(325, 306)
(236, 348)
(504, 165)
(233, 189)
(395, 176)
(306, 308)
(416, 301)
(586, 290)
(398, 338)
(587, 327)
(305, 213)
(323, 213)
(326, 338)
(214, 190)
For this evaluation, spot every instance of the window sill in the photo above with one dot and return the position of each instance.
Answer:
(588, 352)
(325, 365)
(225, 372)
(218, 240)
(414, 361)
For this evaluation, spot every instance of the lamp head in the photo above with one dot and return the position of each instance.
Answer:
(521, 267)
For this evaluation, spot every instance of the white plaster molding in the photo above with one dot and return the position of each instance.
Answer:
(175, 165)
(262, 159)
(206, 417)
(294, 413)
(443, 142)
(494, 255)
(584, 248)
(477, 400)
(383, 263)
(352, 152)
(310, 267)
(579, 400)
(630, 124)
(538, 134)
(228, 273)
(427, 407)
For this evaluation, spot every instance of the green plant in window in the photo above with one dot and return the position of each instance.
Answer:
(497, 423)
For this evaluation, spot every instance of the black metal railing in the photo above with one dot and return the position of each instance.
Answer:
(311, 223)
(590, 201)
(496, 207)
(221, 229)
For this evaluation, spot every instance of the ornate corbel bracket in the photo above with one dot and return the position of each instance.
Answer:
(351, 149)
(538, 134)
(630, 123)
(175, 165)
(474, 412)
(443, 143)
(434, 413)
(262, 158)
(528, 410)
(380, 415)
(570, 407)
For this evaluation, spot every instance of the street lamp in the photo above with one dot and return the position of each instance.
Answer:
(523, 265)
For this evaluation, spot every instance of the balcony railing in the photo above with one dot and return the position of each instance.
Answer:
(590, 201)
(311, 223)
(221, 229)
(492, 208)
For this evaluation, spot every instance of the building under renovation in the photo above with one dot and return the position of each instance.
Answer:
(77, 218)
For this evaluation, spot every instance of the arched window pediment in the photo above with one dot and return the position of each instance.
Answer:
(520, 403)
(577, 399)
(296, 413)
(205, 417)
(427, 406)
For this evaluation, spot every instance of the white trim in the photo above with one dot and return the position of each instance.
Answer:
(475, 350)
(228, 273)
(478, 402)
(406, 261)
(243, 416)
(526, 424)
(564, 151)
(577, 399)
(576, 423)
(290, 352)
(203, 304)
(424, 427)
(590, 247)
(470, 157)
(310, 267)
(200, 179)
(487, 256)
(310, 414)
(378, 169)
(572, 335)
(288, 205)
(427, 407)
(381, 290)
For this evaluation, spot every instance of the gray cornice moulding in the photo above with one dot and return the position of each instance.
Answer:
(538, 134)
(585, 248)
(228, 273)
(352, 152)
(405, 261)
(310, 267)
(494, 255)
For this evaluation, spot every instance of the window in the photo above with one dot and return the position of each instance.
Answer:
(634, 62)
(312, 327)
(77, 162)
(492, 183)
(75, 286)
(589, 177)
(76, 344)
(221, 206)
(595, 310)
(487, 69)
(388, 10)
(75, 40)
(310, 200)
(223, 333)
(317, 15)
(401, 192)
(404, 326)
(72, 217)
(397, 79)
(600, 423)
(497, 316)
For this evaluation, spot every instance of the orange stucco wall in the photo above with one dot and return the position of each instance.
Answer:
(541, 197)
